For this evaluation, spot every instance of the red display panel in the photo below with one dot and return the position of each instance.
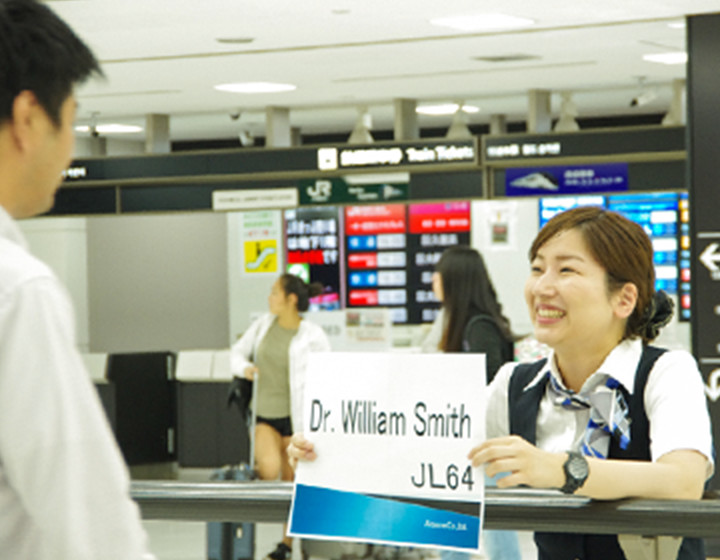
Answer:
(363, 298)
(440, 217)
(362, 261)
(368, 220)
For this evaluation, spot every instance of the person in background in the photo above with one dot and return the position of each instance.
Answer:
(64, 488)
(472, 321)
(472, 316)
(274, 351)
(606, 415)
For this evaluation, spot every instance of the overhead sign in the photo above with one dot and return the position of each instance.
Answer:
(392, 447)
(566, 179)
(251, 199)
(584, 143)
(333, 158)
(339, 191)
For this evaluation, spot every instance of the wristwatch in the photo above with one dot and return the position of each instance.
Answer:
(576, 472)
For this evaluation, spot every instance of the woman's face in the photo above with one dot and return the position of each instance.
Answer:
(437, 286)
(278, 301)
(568, 299)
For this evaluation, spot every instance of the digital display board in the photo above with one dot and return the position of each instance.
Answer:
(312, 241)
(665, 218)
(376, 258)
(657, 213)
(550, 206)
(391, 251)
(433, 228)
(684, 256)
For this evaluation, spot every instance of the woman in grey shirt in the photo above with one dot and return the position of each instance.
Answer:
(274, 351)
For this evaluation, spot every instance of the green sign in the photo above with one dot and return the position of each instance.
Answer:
(339, 191)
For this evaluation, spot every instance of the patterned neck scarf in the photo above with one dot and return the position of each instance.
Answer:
(608, 415)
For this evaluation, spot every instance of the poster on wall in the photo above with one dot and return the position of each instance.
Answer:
(499, 226)
(312, 239)
(259, 233)
(433, 228)
(376, 258)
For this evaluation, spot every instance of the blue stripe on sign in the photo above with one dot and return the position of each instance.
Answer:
(334, 513)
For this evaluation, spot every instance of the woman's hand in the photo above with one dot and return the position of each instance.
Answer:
(523, 462)
(300, 449)
(251, 372)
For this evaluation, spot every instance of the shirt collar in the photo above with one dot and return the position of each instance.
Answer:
(620, 364)
(9, 229)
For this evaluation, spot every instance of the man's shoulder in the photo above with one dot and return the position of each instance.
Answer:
(18, 267)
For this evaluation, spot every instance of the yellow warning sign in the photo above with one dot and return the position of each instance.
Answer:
(261, 256)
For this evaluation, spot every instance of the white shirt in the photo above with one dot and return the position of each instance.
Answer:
(64, 488)
(309, 338)
(674, 402)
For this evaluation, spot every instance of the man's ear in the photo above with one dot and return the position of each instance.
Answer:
(626, 300)
(23, 121)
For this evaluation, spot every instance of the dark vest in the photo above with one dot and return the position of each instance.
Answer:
(523, 411)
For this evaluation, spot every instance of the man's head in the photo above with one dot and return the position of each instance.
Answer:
(41, 61)
(41, 54)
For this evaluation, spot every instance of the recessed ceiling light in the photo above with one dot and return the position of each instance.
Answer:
(483, 22)
(256, 87)
(111, 128)
(677, 25)
(667, 58)
(234, 40)
(444, 109)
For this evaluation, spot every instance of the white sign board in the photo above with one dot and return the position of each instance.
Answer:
(392, 433)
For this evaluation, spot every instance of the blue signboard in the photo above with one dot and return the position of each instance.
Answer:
(566, 179)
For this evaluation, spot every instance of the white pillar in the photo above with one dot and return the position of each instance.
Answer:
(157, 134)
(406, 120)
(676, 116)
(498, 124)
(539, 115)
(277, 127)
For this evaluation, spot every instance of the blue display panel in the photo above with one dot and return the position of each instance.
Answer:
(554, 205)
(684, 256)
(665, 218)
(657, 213)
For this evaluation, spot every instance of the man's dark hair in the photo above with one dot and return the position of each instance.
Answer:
(40, 53)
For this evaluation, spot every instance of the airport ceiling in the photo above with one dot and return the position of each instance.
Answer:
(167, 56)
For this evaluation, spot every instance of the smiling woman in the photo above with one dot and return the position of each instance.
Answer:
(606, 415)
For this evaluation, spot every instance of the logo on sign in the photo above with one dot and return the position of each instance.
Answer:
(321, 191)
(327, 158)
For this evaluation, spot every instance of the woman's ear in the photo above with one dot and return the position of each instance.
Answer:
(292, 298)
(626, 300)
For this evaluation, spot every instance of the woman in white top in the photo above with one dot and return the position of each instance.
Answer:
(606, 415)
(274, 351)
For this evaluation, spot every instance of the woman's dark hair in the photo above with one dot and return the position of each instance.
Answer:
(39, 53)
(467, 291)
(625, 251)
(292, 284)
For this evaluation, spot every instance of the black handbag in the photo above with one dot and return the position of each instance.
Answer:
(240, 393)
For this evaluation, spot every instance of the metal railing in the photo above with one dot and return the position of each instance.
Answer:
(517, 509)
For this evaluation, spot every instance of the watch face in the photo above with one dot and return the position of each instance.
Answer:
(577, 467)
